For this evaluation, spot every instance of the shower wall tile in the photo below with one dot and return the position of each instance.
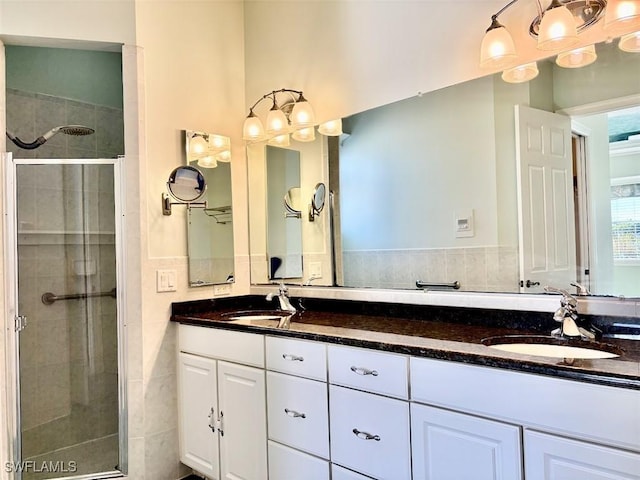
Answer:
(159, 465)
(21, 114)
(160, 416)
(493, 268)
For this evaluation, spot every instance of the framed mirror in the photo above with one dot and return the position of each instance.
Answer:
(451, 209)
(210, 229)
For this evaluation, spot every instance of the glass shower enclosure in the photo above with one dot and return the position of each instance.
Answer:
(71, 412)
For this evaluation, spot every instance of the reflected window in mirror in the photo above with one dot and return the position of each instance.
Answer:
(210, 229)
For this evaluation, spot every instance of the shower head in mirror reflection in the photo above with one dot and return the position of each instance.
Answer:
(291, 118)
(557, 29)
(207, 149)
(74, 130)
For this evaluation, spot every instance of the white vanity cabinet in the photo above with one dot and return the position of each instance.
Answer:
(548, 457)
(297, 409)
(221, 401)
(452, 446)
(369, 431)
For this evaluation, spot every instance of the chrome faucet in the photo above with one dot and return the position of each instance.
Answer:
(567, 316)
(283, 298)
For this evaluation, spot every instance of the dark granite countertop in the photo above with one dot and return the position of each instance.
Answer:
(444, 333)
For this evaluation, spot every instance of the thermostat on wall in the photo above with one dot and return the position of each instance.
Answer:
(464, 223)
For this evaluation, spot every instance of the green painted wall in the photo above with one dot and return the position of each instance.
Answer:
(83, 75)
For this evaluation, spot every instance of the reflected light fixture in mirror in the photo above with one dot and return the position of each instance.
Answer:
(579, 57)
(332, 128)
(207, 149)
(557, 28)
(630, 42)
(521, 73)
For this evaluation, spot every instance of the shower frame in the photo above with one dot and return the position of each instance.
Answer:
(12, 357)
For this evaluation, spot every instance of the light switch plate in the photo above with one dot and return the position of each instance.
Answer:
(223, 289)
(166, 280)
(464, 223)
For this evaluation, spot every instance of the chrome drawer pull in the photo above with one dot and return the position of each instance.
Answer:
(294, 414)
(365, 435)
(293, 358)
(211, 421)
(364, 371)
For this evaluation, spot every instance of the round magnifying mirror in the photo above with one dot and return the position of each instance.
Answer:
(187, 184)
(318, 197)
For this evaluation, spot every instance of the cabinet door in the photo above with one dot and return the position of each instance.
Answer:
(288, 464)
(547, 457)
(453, 446)
(198, 410)
(370, 433)
(243, 435)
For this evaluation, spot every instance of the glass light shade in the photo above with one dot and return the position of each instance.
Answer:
(521, 73)
(277, 122)
(219, 142)
(332, 128)
(577, 58)
(253, 129)
(497, 49)
(622, 16)
(304, 134)
(557, 30)
(280, 140)
(302, 115)
(223, 156)
(198, 145)
(630, 42)
(207, 162)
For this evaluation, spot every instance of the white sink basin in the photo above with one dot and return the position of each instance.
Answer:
(552, 347)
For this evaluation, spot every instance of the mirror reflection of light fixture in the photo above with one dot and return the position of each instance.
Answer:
(207, 148)
(332, 128)
(579, 57)
(521, 73)
(557, 28)
(186, 185)
(630, 42)
(304, 135)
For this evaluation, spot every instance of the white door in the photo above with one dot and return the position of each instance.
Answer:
(545, 199)
(453, 446)
(547, 457)
(198, 410)
(243, 428)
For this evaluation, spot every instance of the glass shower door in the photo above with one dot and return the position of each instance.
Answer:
(68, 354)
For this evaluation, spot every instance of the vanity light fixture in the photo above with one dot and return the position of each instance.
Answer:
(332, 128)
(630, 42)
(557, 28)
(293, 114)
(521, 73)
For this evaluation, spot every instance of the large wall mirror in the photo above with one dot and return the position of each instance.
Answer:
(444, 189)
(210, 229)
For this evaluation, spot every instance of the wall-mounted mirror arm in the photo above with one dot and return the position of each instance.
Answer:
(167, 204)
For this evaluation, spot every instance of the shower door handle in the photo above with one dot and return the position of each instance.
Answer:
(21, 323)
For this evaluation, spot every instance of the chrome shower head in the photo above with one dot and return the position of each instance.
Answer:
(75, 130)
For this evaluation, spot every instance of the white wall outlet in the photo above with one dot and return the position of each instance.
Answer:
(315, 269)
(166, 280)
(464, 223)
(220, 290)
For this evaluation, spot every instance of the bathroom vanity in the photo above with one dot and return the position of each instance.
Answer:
(349, 396)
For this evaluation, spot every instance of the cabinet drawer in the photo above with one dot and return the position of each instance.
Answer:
(339, 473)
(287, 463)
(297, 411)
(370, 433)
(297, 357)
(367, 370)
(238, 347)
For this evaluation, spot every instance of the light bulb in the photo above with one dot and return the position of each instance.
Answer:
(521, 73)
(577, 58)
(252, 129)
(219, 142)
(198, 145)
(302, 114)
(332, 128)
(280, 140)
(223, 156)
(497, 49)
(304, 134)
(630, 42)
(207, 162)
(277, 123)
(621, 16)
(557, 28)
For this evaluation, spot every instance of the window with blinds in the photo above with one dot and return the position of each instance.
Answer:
(625, 222)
